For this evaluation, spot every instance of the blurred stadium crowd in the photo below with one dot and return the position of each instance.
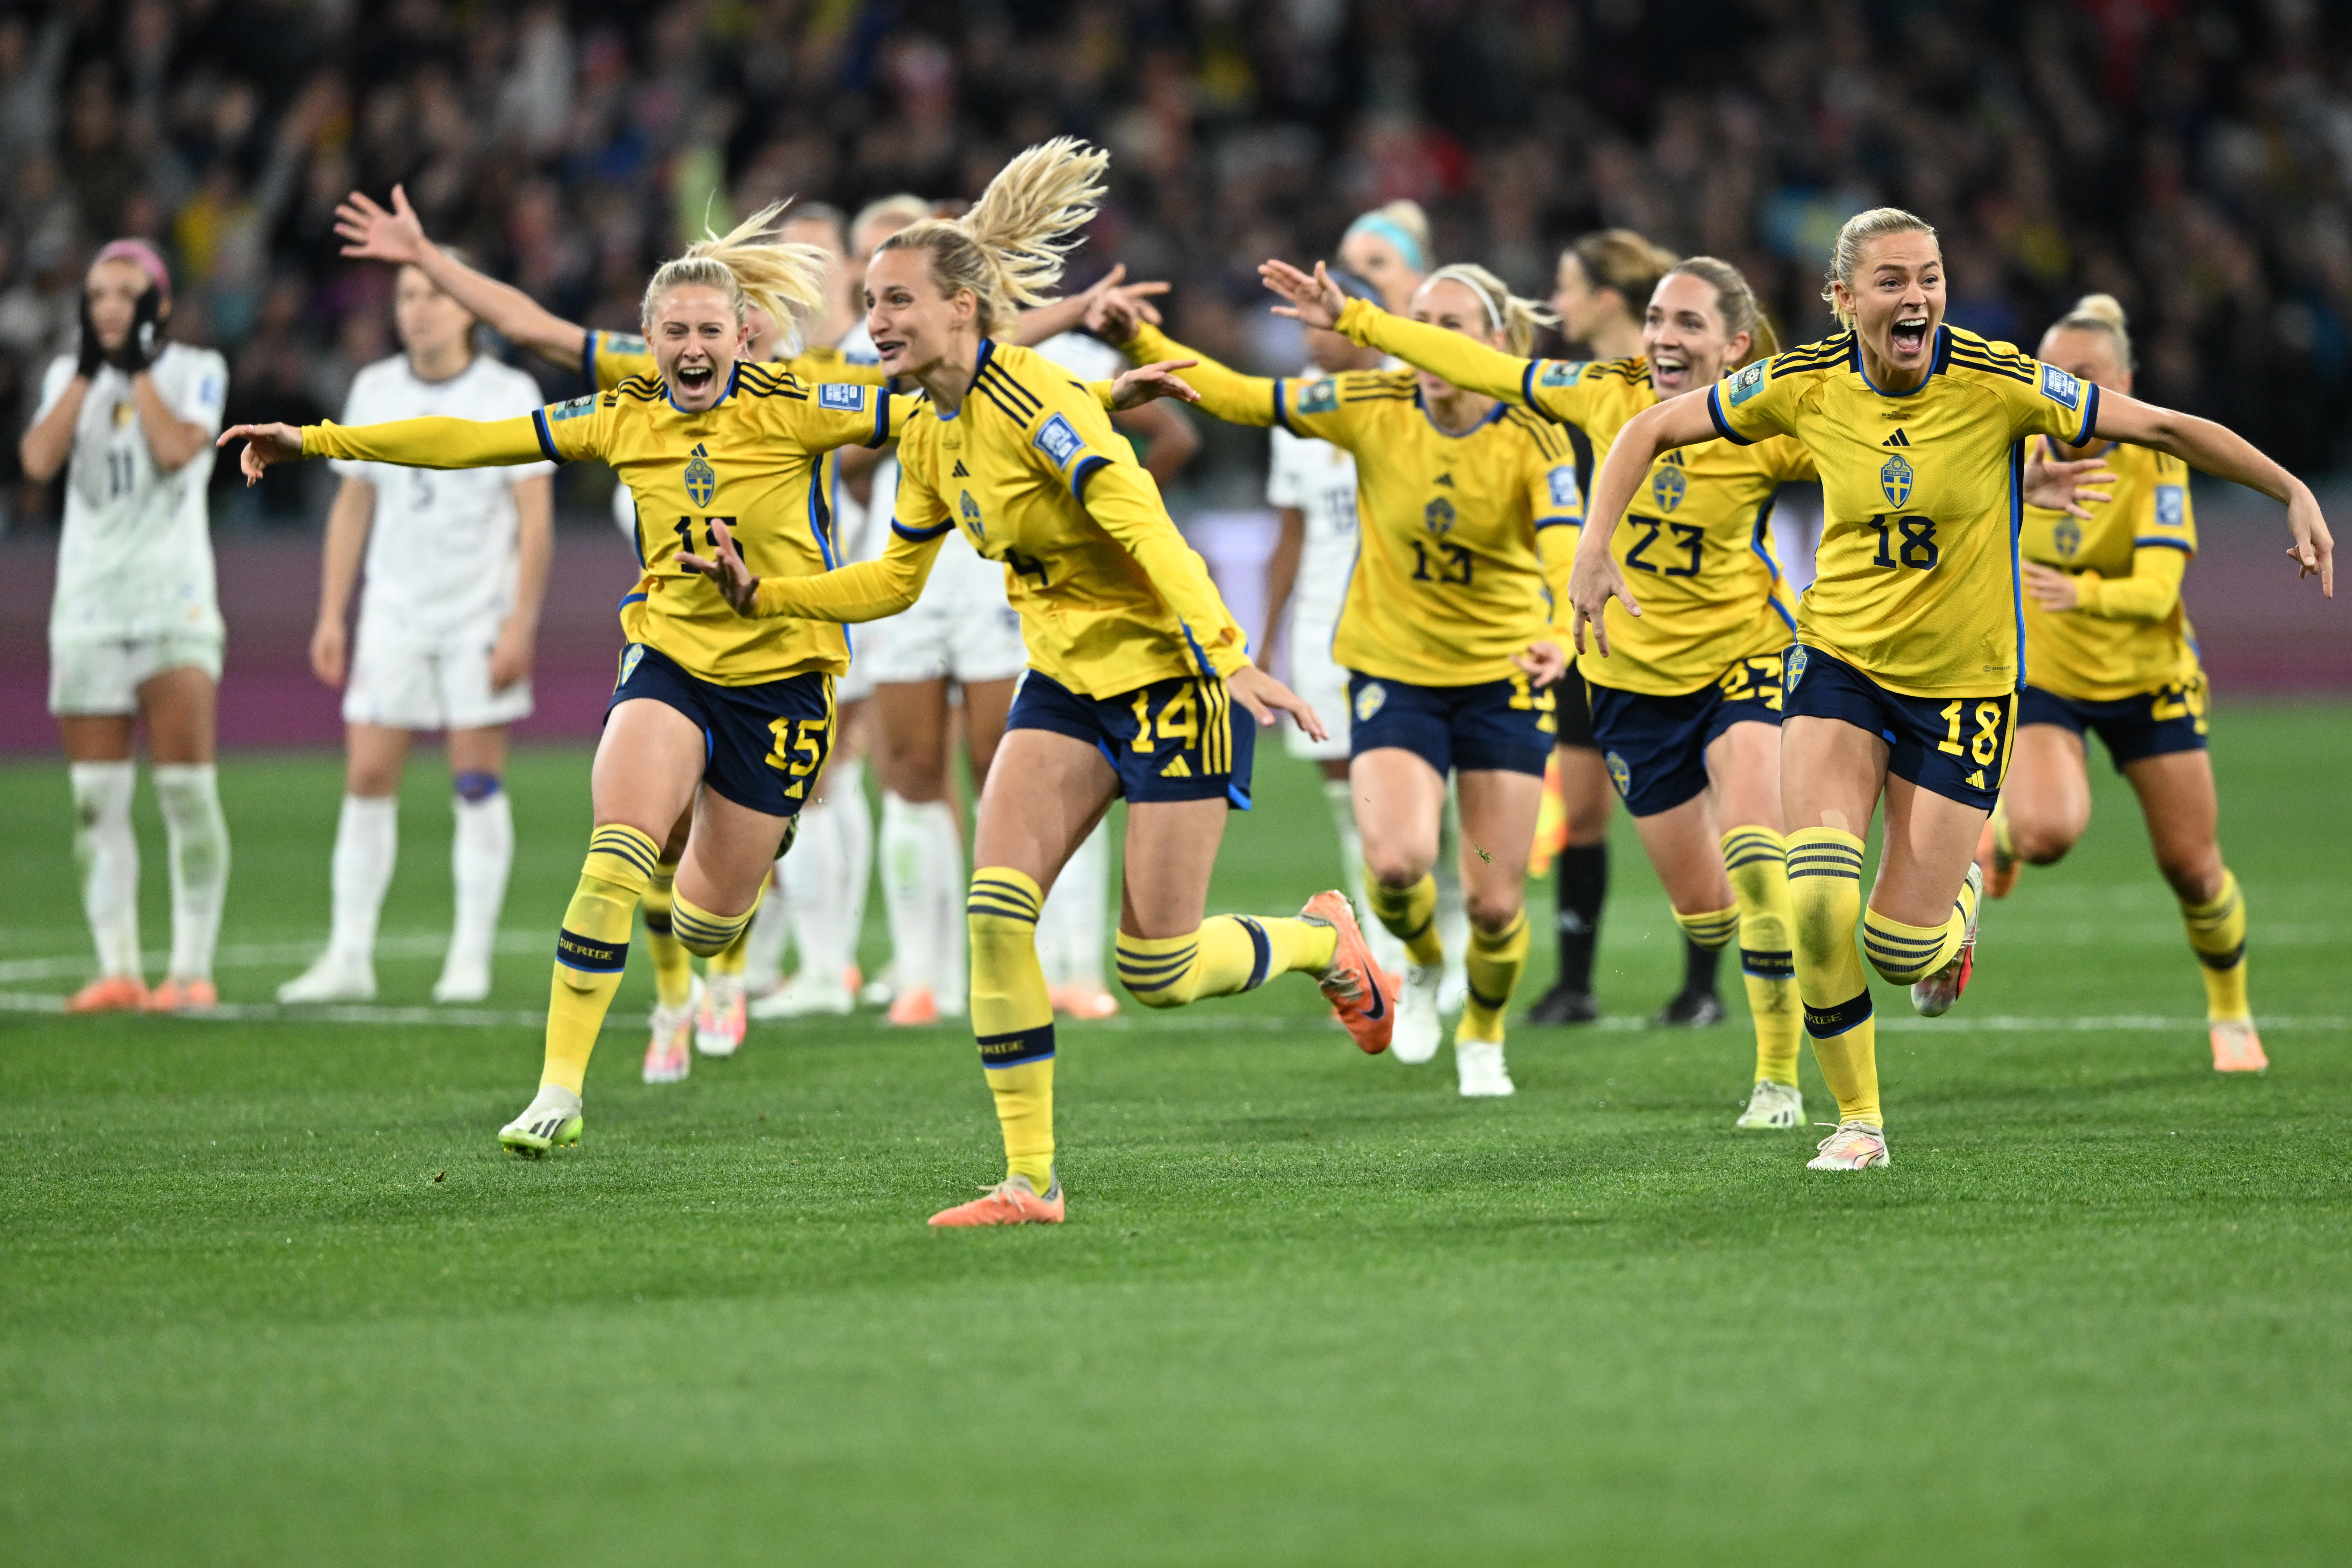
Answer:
(2193, 157)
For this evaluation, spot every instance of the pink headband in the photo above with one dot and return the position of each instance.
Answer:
(148, 259)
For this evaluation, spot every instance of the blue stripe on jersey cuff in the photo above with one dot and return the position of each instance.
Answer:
(881, 415)
(1281, 414)
(2090, 417)
(1085, 471)
(628, 599)
(2180, 544)
(588, 357)
(546, 441)
(1527, 384)
(919, 535)
(1543, 522)
(1714, 412)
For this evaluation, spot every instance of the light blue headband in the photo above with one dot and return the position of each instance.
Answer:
(1396, 234)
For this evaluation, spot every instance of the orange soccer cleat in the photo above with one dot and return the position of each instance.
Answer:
(113, 994)
(1999, 865)
(2236, 1047)
(1082, 999)
(184, 996)
(915, 1004)
(1013, 1201)
(1364, 996)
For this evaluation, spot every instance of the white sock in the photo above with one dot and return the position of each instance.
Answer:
(908, 848)
(1339, 795)
(1070, 930)
(947, 889)
(107, 850)
(815, 890)
(367, 841)
(481, 855)
(771, 926)
(189, 793)
(852, 827)
(1453, 915)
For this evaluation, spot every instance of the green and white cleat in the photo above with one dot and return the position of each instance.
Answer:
(551, 1121)
(1777, 1106)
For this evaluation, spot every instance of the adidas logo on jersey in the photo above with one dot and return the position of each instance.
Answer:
(1179, 769)
(1898, 439)
(960, 471)
(1445, 479)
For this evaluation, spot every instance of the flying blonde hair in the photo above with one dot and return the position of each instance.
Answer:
(1008, 251)
(785, 280)
(2099, 313)
(1519, 319)
(1737, 301)
(1860, 230)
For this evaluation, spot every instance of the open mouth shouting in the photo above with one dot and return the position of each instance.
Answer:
(695, 375)
(1669, 371)
(888, 349)
(1909, 336)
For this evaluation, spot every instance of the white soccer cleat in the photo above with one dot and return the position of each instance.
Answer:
(806, 995)
(1854, 1146)
(1418, 1029)
(463, 978)
(669, 1054)
(1933, 997)
(1478, 1065)
(719, 1022)
(336, 977)
(551, 1121)
(1779, 1106)
(1454, 991)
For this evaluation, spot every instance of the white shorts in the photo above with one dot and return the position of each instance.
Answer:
(429, 686)
(103, 676)
(1317, 678)
(961, 629)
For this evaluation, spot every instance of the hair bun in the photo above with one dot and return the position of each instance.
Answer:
(2101, 307)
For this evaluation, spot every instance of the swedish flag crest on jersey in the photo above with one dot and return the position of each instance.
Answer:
(1620, 773)
(970, 508)
(1369, 696)
(1894, 479)
(1438, 515)
(701, 478)
(2067, 536)
(1792, 670)
(1666, 488)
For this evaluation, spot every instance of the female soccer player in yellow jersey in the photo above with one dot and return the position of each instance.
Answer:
(1909, 647)
(1135, 663)
(716, 725)
(1688, 710)
(1467, 509)
(2109, 648)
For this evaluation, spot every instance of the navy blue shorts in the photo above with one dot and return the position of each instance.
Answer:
(1957, 747)
(763, 743)
(1180, 739)
(2152, 724)
(1501, 724)
(1656, 746)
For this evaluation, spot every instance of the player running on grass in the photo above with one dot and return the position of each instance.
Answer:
(2109, 648)
(1468, 511)
(1688, 710)
(1903, 684)
(1135, 663)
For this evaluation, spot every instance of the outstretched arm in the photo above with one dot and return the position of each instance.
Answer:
(1681, 421)
(2218, 450)
(431, 443)
(1064, 315)
(398, 236)
(865, 592)
(1231, 397)
(1462, 362)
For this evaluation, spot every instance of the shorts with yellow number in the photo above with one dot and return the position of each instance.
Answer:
(2155, 723)
(1957, 747)
(1505, 726)
(763, 744)
(1181, 738)
(1655, 747)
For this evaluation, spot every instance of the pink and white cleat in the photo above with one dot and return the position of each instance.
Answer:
(669, 1054)
(1854, 1146)
(2236, 1047)
(1013, 1201)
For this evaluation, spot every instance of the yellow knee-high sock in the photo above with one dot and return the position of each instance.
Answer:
(593, 948)
(1825, 898)
(1907, 955)
(1013, 1017)
(673, 967)
(1411, 916)
(1712, 929)
(1757, 864)
(729, 959)
(2217, 933)
(1494, 961)
(703, 933)
(1226, 954)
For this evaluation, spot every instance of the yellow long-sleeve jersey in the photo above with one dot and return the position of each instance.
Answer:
(1466, 539)
(2127, 632)
(1916, 580)
(1695, 544)
(750, 461)
(1110, 596)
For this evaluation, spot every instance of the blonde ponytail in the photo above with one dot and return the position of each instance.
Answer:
(1518, 319)
(782, 279)
(2100, 313)
(1008, 249)
(1737, 302)
(1860, 230)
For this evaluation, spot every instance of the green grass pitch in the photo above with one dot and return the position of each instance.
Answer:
(269, 1293)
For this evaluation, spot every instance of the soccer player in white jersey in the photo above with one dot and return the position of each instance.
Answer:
(1311, 485)
(135, 632)
(456, 568)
